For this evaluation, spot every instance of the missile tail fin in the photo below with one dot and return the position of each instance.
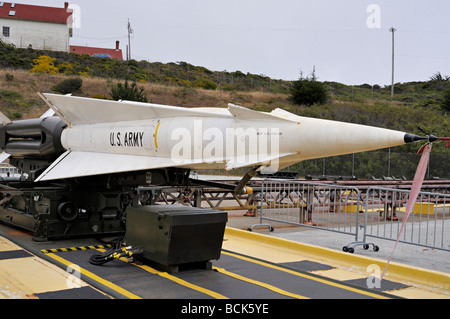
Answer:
(4, 156)
(4, 119)
(77, 110)
(270, 160)
(242, 113)
(79, 164)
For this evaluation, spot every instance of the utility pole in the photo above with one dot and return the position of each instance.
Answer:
(392, 86)
(130, 31)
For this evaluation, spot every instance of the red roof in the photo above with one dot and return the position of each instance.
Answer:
(100, 52)
(35, 13)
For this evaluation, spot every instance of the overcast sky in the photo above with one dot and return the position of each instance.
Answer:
(348, 41)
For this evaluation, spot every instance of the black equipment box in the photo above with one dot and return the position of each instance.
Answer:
(172, 235)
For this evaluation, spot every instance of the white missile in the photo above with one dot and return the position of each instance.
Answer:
(95, 137)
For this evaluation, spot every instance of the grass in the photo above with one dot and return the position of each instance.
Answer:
(357, 104)
(28, 84)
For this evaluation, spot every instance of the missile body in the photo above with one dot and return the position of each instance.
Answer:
(96, 137)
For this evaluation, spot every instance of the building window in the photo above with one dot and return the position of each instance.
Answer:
(6, 32)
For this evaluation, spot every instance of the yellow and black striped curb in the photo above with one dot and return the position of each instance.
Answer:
(56, 250)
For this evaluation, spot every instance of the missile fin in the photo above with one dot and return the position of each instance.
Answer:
(288, 116)
(4, 156)
(79, 164)
(53, 108)
(78, 110)
(261, 160)
(49, 113)
(242, 113)
(56, 162)
(4, 119)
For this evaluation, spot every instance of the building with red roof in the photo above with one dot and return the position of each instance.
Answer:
(98, 52)
(39, 27)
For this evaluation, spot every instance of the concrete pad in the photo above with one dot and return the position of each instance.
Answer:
(339, 274)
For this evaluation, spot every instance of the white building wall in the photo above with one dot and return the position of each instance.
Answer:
(40, 35)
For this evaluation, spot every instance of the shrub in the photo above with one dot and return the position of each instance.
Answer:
(69, 86)
(66, 68)
(16, 115)
(10, 95)
(185, 83)
(228, 87)
(44, 64)
(308, 91)
(205, 84)
(128, 92)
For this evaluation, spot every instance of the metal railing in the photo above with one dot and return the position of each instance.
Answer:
(339, 209)
(428, 224)
(321, 206)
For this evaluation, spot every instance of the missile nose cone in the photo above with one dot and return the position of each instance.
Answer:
(409, 138)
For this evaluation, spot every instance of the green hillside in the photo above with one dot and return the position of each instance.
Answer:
(414, 103)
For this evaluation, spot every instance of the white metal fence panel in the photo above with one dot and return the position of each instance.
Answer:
(428, 224)
(330, 207)
(378, 211)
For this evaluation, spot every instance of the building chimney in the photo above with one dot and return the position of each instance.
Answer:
(117, 45)
(66, 5)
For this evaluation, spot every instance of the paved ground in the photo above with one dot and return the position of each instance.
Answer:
(21, 282)
(413, 255)
(284, 273)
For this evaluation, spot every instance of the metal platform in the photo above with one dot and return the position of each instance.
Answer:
(251, 266)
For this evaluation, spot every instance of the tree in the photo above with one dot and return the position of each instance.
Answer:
(128, 92)
(308, 91)
(438, 77)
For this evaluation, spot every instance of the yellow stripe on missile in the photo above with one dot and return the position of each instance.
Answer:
(156, 134)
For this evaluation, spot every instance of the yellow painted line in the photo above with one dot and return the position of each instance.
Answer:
(259, 283)
(292, 272)
(396, 271)
(156, 134)
(182, 282)
(100, 280)
(175, 279)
